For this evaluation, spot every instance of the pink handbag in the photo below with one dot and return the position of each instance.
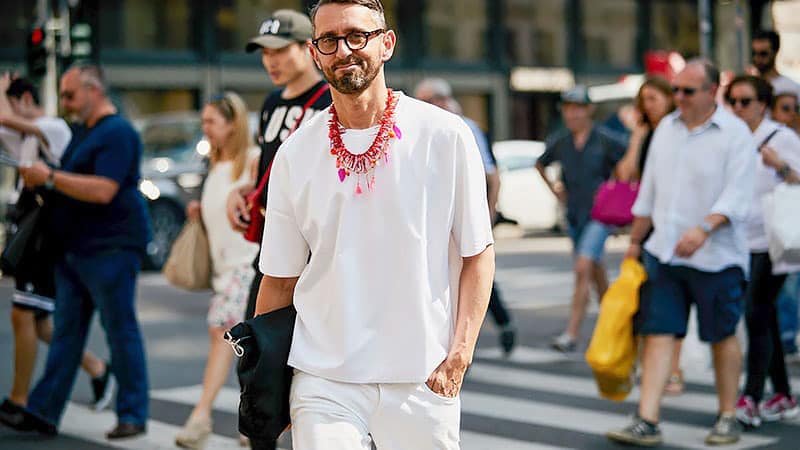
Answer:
(613, 202)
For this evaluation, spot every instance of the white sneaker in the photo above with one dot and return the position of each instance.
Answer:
(564, 343)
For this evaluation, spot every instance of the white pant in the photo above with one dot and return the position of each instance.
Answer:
(329, 415)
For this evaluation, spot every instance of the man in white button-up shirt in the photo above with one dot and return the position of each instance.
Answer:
(695, 194)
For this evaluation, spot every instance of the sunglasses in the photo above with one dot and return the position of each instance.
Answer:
(744, 101)
(789, 108)
(761, 54)
(687, 91)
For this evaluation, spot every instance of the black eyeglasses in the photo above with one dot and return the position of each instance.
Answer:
(761, 53)
(354, 40)
(687, 91)
(744, 101)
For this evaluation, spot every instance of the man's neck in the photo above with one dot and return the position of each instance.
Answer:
(362, 110)
(301, 84)
(581, 135)
(771, 74)
(104, 109)
(699, 119)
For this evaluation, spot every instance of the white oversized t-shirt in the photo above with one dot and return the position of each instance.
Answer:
(376, 301)
(54, 129)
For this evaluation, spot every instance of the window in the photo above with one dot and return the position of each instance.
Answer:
(674, 26)
(238, 20)
(137, 103)
(15, 22)
(457, 29)
(146, 24)
(536, 31)
(609, 31)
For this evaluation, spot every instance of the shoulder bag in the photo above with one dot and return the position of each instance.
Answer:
(189, 263)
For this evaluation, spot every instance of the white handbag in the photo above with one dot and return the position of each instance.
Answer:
(782, 223)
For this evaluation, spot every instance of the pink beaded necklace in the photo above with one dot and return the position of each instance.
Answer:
(363, 165)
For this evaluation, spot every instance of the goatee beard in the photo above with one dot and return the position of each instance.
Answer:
(354, 81)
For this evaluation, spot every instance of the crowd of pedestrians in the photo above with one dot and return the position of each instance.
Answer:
(359, 161)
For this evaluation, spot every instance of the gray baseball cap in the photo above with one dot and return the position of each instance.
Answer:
(578, 94)
(286, 26)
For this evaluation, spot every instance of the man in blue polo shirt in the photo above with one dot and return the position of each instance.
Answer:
(588, 154)
(99, 218)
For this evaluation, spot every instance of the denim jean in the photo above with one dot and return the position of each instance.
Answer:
(788, 312)
(106, 282)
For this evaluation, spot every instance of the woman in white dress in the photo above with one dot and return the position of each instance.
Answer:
(226, 128)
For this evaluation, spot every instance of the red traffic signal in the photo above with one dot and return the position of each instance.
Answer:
(37, 36)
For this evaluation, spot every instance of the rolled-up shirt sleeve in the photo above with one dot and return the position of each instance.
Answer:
(734, 201)
(284, 249)
(471, 230)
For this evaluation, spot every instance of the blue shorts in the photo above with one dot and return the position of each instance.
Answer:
(589, 240)
(669, 292)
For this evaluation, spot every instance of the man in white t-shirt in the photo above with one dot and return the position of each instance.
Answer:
(26, 134)
(377, 230)
(764, 50)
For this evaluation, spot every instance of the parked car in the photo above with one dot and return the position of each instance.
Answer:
(524, 196)
(174, 165)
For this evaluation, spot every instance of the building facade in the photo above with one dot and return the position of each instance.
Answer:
(169, 55)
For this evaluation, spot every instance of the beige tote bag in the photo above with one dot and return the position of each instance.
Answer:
(189, 262)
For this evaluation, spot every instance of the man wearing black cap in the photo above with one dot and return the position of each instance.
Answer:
(588, 154)
(283, 41)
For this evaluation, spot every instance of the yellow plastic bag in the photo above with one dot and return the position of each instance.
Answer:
(612, 351)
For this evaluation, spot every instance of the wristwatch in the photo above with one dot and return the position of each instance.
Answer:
(706, 227)
(784, 171)
(50, 182)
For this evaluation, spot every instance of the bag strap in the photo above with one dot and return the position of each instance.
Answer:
(322, 90)
(774, 132)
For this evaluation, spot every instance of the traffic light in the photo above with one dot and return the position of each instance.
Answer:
(81, 37)
(37, 53)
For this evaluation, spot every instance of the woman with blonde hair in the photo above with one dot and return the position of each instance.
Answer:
(226, 128)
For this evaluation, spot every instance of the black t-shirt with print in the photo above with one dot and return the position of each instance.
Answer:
(278, 118)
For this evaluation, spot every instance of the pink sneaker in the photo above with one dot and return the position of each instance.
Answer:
(747, 412)
(779, 407)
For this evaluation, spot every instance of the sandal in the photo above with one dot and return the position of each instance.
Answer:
(674, 384)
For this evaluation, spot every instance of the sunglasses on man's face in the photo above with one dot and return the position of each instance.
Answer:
(687, 91)
(761, 53)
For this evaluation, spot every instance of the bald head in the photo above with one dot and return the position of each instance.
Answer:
(695, 90)
(83, 91)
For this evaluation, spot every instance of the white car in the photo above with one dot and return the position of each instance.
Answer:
(524, 196)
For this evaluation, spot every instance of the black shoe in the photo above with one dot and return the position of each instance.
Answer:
(125, 430)
(12, 415)
(508, 337)
(20, 419)
(103, 389)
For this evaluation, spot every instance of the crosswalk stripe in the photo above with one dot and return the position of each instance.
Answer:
(478, 441)
(521, 355)
(584, 421)
(80, 422)
(579, 386)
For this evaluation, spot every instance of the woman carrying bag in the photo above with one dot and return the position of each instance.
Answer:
(778, 161)
(226, 128)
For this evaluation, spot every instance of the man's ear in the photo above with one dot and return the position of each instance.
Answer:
(313, 52)
(389, 41)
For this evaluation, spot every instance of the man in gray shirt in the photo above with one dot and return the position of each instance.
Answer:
(588, 154)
